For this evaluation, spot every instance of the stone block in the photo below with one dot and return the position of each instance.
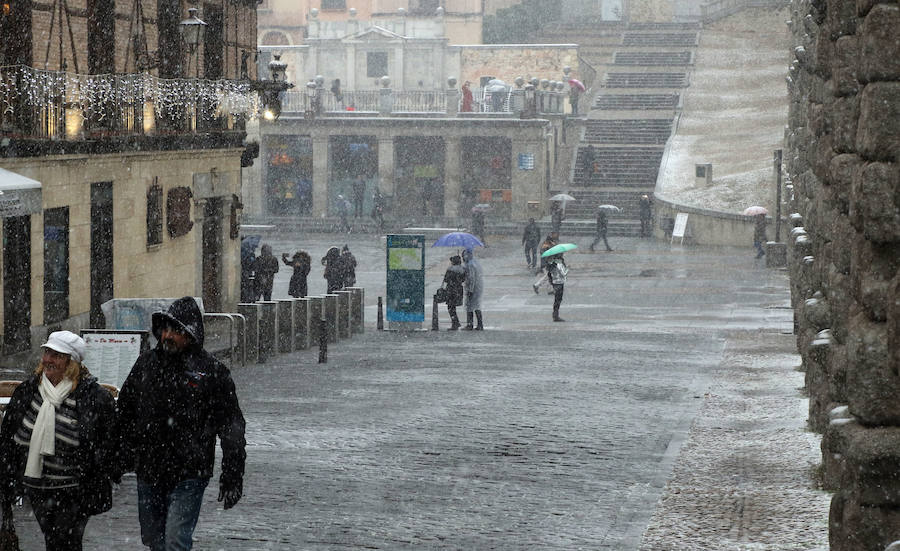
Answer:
(836, 371)
(316, 304)
(840, 19)
(343, 314)
(873, 207)
(844, 116)
(864, 6)
(878, 134)
(818, 122)
(824, 152)
(330, 309)
(879, 51)
(301, 324)
(840, 180)
(893, 327)
(872, 387)
(856, 527)
(268, 329)
(250, 311)
(357, 309)
(817, 312)
(834, 444)
(284, 309)
(845, 81)
(870, 459)
(840, 298)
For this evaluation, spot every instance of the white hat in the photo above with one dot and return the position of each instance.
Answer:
(66, 342)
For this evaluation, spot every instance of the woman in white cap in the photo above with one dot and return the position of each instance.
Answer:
(58, 443)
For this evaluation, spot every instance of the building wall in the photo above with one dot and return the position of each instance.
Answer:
(843, 161)
(508, 61)
(171, 269)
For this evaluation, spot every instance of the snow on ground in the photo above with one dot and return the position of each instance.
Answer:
(734, 113)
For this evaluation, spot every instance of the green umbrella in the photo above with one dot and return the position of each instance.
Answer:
(557, 249)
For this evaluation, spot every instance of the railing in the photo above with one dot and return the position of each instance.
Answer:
(717, 9)
(55, 105)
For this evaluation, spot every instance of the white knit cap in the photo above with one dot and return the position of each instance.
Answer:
(66, 342)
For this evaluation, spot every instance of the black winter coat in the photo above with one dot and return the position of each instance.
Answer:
(97, 436)
(172, 407)
(453, 282)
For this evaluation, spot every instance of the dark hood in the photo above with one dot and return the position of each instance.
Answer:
(185, 313)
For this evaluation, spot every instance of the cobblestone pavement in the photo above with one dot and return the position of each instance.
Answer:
(666, 410)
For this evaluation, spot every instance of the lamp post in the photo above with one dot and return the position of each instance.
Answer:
(270, 90)
(192, 31)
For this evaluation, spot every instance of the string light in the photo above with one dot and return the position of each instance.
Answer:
(99, 96)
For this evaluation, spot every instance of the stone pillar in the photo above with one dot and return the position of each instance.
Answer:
(330, 307)
(320, 176)
(285, 312)
(452, 102)
(452, 174)
(250, 311)
(357, 309)
(343, 314)
(301, 323)
(386, 164)
(316, 304)
(268, 329)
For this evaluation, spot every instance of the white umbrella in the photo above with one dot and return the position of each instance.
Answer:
(611, 208)
(562, 197)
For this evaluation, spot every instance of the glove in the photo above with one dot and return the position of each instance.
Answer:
(230, 495)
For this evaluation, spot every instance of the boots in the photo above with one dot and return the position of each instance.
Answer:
(480, 326)
(454, 322)
(470, 317)
(556, 315)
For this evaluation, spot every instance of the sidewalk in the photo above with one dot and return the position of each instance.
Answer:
(665, 414)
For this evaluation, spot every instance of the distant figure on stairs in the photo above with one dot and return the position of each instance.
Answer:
(646, 215)
(587, 162)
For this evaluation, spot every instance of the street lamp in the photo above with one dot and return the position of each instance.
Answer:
(192, 31)
(270, 90)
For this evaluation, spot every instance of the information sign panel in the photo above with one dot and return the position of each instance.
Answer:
(110, 354)
(405, 285)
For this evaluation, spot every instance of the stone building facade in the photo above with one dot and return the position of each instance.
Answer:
(843, 164)
(121, 170)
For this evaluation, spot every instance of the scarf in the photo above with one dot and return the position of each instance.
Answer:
(43, 436)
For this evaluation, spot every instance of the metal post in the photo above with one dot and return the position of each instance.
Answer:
(434, 314)
(380, 323)
(778, 195)
(323, 340)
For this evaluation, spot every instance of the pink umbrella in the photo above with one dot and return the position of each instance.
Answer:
(574, 82)
(754, 210)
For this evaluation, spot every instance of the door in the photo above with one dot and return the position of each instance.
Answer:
(16, 284)
(101, 250)
(212, 255)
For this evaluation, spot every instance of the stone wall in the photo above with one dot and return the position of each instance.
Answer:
(508, 61)
(843, 161)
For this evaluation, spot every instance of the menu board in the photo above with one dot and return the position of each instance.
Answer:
(111, 354)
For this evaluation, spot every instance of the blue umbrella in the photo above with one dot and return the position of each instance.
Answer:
(459, 239)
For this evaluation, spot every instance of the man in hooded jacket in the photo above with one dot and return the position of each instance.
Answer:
(177, 399)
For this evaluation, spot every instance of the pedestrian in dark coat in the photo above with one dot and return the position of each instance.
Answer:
(58, 444)
(759, 235)
(478, 225)
(301, 265)
(646, 214)
(602, 225)
(174, 404)
(359, 196)
(556, 273)
(551, 240)
(453, 283)
(587, 162)
(557, 215)
(530, 240)
(265, 267)
(348, 268)
(334, 275)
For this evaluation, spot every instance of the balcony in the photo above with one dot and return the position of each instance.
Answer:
(48, 112)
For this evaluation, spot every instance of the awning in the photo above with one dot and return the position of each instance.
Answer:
(19, 196)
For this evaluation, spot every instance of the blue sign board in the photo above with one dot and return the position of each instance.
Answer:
(405, 278)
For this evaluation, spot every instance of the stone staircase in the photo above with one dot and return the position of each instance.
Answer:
(627, 131)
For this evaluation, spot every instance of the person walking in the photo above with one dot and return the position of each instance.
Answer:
(468, 100)
(557, 215)
(174, 404)
(359, 196)
(454, 278)
(348, 268)
(301, 264)
(58, 444)
(556, 273)
(265, 267)
(378, 206)
(646, 215)
(530, 240)
(551, 240)
(334, 276)
(602, 225)
(343, 209)
(474, 286)
(759, 235)
(588, 158)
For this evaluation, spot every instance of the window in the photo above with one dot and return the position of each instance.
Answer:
(154, 214)
(56, 264)
(424, 7)
(334, 4)
(178, 211)
(376, 64)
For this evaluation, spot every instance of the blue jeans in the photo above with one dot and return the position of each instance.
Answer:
(168, 515)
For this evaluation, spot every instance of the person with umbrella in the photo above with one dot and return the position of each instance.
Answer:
(301, 264)
(557, 215)
(575, 90)
(602, 225)
(454, 278)
(556, 273)
(474, 287)
(759, 234)
(530, 239)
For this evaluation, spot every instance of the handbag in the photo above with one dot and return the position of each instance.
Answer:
(439, 296)
(9, 541)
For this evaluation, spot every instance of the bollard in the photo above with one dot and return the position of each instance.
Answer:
(302, 321)
(251, 313)
(268, 330)
(284, 311)
(344, 310)
(434, 314)
(380, 315)
(323, 341)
